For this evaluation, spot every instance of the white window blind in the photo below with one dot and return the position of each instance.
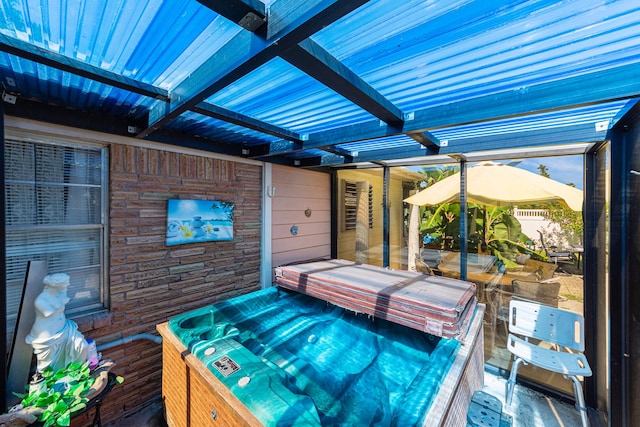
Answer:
(55, 211)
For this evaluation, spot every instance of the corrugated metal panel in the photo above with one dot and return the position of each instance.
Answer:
(420, 54)
(280, 94)
(219, 130)
(592, 114)
(417, 54)
(40, 82)
(392, 142)
(155, 41)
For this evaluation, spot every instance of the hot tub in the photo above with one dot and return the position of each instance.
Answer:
(277, 357)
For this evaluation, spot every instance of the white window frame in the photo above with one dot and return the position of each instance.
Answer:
(100, 299)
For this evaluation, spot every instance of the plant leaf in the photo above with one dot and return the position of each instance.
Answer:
(73, 366)
(64, 419)
(77, 407)
(45, 400)
(28, 400)
(61, 406)
(76, 389)
(45, 415)
(50, 421)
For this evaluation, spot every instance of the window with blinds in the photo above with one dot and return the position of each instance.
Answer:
(351, 205)
(56, 208)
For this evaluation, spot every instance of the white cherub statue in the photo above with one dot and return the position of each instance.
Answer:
(55, 339)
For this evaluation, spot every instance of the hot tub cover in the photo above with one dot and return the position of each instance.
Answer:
(437, 305)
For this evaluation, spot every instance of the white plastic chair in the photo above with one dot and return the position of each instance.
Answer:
(562, 328)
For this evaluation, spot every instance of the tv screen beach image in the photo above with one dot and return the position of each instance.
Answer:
(191, 221)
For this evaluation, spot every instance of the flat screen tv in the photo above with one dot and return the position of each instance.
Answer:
(193, 221)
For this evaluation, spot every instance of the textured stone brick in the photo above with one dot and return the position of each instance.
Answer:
(186, 267)
(146, 274)
(141, 240)
(156, 281)
(122, 212)
(187, 251)
(142, 257)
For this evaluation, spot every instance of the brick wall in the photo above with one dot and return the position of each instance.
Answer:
(151, 282)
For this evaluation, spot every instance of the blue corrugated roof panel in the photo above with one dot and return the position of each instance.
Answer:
(280, 94)
(36, 81)
(436, 53)
(156, 42)
(605, 112)
(219, 130)
(417, 54)
(392, 142)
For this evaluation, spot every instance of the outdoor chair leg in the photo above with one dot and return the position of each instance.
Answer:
(511, 383)
(580, 405)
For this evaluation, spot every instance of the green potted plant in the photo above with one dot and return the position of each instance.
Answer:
(61, 394)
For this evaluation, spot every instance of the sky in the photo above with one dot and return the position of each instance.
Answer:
(565, 169)
(207, 209)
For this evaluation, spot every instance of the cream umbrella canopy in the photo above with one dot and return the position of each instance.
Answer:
(497, 184)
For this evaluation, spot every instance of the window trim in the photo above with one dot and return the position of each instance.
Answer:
(75, 142)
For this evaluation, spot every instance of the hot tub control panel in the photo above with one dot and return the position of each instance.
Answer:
(226, 366)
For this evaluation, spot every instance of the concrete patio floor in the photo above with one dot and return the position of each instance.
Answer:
(528, 409)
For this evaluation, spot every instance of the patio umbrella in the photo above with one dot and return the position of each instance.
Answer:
(497, 184)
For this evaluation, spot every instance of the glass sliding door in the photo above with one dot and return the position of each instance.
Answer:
(422, 236)
(529, 249)
(537, 246)
(430, 233)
